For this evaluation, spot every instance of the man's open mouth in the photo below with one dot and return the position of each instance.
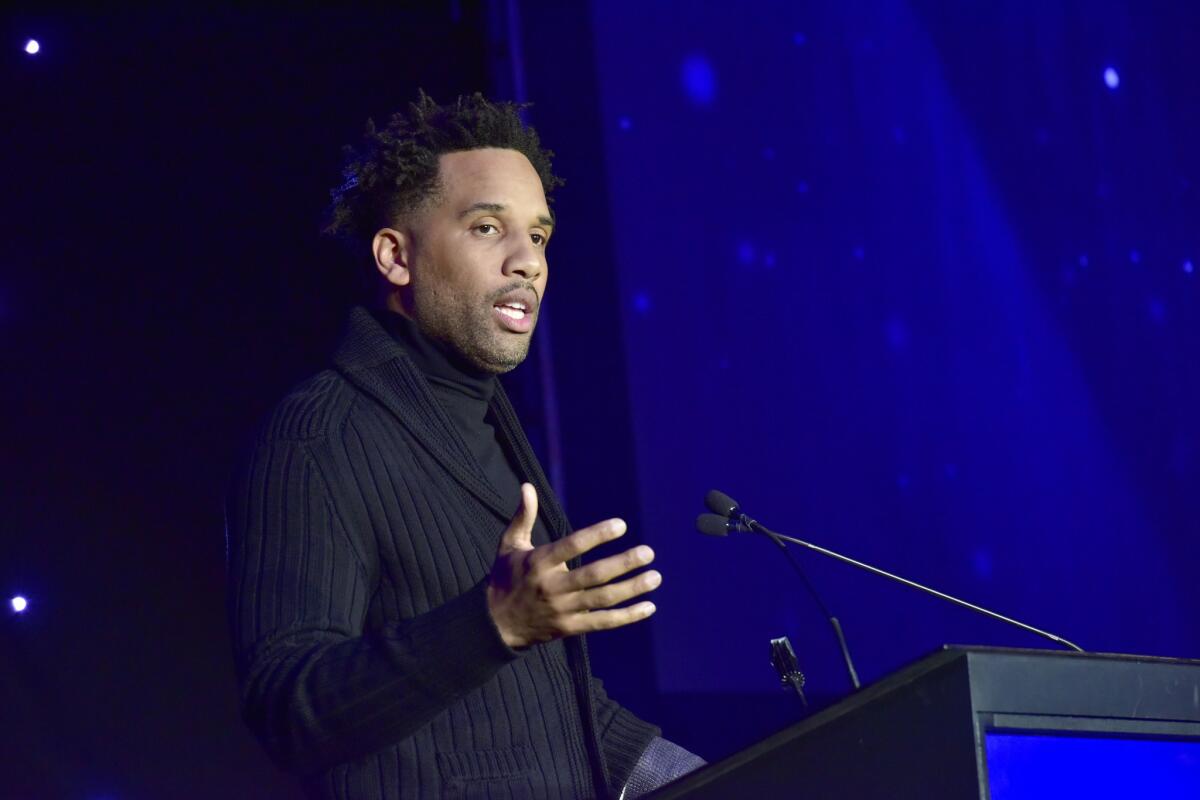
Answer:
(513, 310)
(517, 309)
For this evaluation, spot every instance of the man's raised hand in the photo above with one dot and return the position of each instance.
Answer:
(533, 597)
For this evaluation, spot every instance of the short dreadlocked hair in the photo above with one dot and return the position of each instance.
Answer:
(394, 171)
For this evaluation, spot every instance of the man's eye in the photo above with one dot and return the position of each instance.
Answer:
(486, 228)
(538, 239)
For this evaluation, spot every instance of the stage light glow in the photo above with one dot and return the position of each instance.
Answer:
(19, 604)
(896, 333)
(1157, 310)
(981, 562)
(32, 47)
(699, 80)
(1111, 79)
(1189, 267)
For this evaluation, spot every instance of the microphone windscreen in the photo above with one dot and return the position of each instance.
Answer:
(720, 503)
(712, 524)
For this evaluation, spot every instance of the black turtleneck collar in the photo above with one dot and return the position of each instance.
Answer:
(445, 370)
(464, 393)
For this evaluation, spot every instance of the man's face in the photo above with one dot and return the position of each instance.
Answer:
(478, 266)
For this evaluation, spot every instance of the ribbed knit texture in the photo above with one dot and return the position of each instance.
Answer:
(361, 532)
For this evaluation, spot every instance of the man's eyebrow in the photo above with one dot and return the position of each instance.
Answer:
(494, 208)
(497, 208)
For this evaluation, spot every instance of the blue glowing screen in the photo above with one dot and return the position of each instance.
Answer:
(1031, 767)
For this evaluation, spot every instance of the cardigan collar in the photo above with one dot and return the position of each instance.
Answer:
(372, 359)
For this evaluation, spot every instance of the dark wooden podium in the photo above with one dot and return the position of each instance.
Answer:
(923, 732)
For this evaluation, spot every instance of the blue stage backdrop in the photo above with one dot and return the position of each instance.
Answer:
(914, 280)
(916, 283)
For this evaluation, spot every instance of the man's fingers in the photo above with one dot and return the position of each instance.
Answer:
(611, 595)
(529, 505)
(583, 540)
(604, 570)
(519, 533)
(613, 618)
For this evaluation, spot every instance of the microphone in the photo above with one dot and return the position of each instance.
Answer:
(718, 501)
(727, 516)
(712, 524)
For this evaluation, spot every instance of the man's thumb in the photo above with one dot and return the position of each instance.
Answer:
(519, 533)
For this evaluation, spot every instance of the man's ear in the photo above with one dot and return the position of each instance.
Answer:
(393, 251)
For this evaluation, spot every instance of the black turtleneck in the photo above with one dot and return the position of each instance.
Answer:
(464, 392)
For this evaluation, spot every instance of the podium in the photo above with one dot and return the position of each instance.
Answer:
(974, 722)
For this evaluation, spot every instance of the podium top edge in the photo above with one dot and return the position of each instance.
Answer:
(1026, 652)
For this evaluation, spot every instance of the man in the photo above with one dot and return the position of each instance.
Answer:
(406, 596)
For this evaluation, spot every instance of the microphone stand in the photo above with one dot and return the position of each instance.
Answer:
(833, 621)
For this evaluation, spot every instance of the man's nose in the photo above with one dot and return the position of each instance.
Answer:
(525, 261)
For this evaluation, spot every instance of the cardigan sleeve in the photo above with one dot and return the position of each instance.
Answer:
(623, 737)
(316, 688)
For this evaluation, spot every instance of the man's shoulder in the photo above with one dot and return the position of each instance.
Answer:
(314, 408)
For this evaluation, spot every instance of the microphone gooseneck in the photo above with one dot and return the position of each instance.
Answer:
(746, 523)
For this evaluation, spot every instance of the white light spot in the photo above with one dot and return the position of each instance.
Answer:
(19, 604)
(32, 47)
(1111, 79)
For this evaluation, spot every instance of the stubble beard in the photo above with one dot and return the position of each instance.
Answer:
(471, 331)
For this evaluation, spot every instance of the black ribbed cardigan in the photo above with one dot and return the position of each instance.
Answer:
(361, 532)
